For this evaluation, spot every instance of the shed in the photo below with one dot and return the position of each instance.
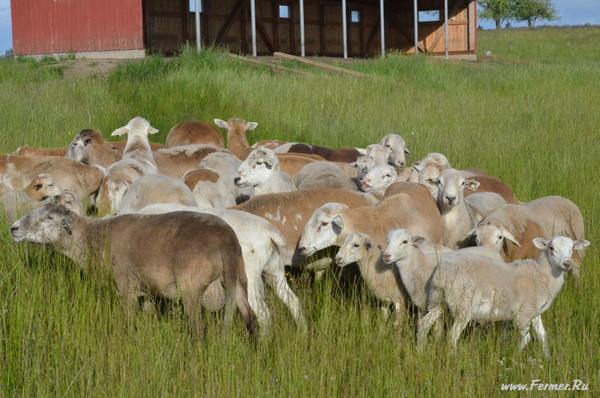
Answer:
(352, 28)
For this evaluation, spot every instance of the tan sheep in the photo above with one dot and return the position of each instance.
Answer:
(193, 132)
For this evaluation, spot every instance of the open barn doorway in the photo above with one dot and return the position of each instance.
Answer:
(168, 24)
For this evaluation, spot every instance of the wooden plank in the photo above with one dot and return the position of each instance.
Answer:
(274, 67)
(440, 32)
(323, 48)
(371, 37)
(263, 34)
(324, 66)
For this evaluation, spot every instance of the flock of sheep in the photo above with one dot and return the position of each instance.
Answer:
(191, 220)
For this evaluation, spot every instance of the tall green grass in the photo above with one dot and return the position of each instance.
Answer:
(528, 116)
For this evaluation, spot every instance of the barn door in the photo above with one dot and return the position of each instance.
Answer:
(165, 25)
(287, 21)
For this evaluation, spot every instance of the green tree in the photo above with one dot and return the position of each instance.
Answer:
(498, 11)
(531, 11)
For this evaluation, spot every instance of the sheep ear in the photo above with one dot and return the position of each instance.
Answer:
(251, 126)
(471, 232)
(472, 184)
(508, 236)
(268, 163)
(417, 240)
(338, 224)
(540, 243)
(152, 130)
(119, 132)
(66, 224)
(221, 123)
(580, 244)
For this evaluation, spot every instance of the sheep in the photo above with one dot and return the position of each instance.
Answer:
(344, 155)
(291, 163)
(193, 251)
(457, 217)
(137, 160)
(323, 175)
(429, 169)
(17, 172)
(237, 142)
(377, 180)
(494, 185)
(382, 279)
(290, 211)
(90, 147)
(483, 289)
(263, 248)
(261, 171)
(397, 150)
(330, 224)
(152, 189)
(39, 152)
(192, 132)
(511, 228)
(42, 187)
(481, 204)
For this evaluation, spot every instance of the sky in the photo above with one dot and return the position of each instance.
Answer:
(572, 12)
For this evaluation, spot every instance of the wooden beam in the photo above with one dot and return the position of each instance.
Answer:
(321, 65)
(229, 20)
(244, 15)
(263, 34)
(275, 25)
(323, 47)
(370, 38)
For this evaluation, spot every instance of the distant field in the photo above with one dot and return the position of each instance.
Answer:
(529, 116)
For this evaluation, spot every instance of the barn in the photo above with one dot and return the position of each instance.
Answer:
(337, 28)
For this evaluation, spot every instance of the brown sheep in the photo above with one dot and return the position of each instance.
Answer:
(289, 211)
(189, 133)
(493, 184)
(194, 250)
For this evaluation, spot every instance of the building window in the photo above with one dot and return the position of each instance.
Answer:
(284, 11)
(429, 16)
(193, 5)
(355, 16)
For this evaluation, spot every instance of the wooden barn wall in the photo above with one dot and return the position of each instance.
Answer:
(169, 24)
(50, 26)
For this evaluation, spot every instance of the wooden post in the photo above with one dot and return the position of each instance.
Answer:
(345, 29)
(382, 23)
(416, 17)
(253, 18)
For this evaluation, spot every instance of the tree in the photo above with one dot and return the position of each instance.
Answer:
(496, 10)
(531, 11)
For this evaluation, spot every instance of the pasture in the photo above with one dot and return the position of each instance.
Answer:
(528, 116)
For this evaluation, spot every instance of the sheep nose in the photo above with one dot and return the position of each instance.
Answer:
(13, 229)
(568, 263)
(302, 249)
(236, 180)
(450, 199)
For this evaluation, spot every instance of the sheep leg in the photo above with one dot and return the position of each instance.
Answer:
(130, 290)
(457, 328)
(279, 283)
(438, 329)
(248, 315)
(256, 298)
(191, 299)
(525, 336)
(398, 315)
(540, 333)
(425, 325)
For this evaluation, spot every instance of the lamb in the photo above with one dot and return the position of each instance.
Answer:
(193, 251)
(152, 189)
(382, 279)
(511, 229)
(90, 147)
(323, 175)
(457, 218)
(42, 187)
(483, 289)
(192, 132)
(137, 161)
(333, 222)
(261, 171)
(263, 249)
(237, 142)
(290, 211)
(291, 163)
(378, 179)
(397, 150)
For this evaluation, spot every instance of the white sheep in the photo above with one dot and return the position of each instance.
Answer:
(480, 288)
(261, 171)
(152, 189)
(323, 174)
(397, 150)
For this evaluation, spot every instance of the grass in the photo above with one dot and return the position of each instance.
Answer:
(529, 116)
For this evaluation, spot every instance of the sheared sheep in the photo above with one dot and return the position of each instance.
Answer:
(318, 175)
(263, 249)
(193, 132)
(260, 170)
(153, 189)
(480, 288)
(237, 142)
(193, 251)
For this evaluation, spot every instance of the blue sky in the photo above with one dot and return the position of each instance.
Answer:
(572, 12)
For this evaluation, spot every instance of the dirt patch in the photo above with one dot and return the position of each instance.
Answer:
(88, 67)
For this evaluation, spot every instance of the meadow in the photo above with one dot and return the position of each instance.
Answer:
(529, 116)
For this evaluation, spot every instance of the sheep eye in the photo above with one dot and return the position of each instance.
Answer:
(388, 176)
(387, 145)
(38, 187)
(355, 245)
(87, 141)
(50, 218)
(324, 224)
(405, 241)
